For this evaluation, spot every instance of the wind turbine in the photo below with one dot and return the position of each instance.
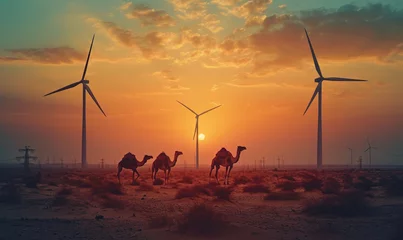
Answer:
(369, 153)
(196, 132)
(86, 88)
(318, 91)
(351, 155)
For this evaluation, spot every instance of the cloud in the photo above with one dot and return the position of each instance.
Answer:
(190, 9)
(56, 55)
(214, 88)
(348, 33)
(149, 16)
(212, 23)
(251, 7)
(152, 45)
(282, 6)
(172, 82)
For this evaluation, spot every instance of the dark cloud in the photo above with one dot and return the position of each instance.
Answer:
(57, 55)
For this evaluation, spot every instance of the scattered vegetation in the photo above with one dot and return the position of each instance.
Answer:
(311, 183)
(331, 186)
(10, 194)
(187, 179)
(159, 221)
(158, 181)
(109, 201)
(282, 196)
(344, 204)
(257, 179)
(256, 188)
(202, 220)
(107, 187)
(287, 185)
(363, 184)
(222, 193)
(241, 180)
(194, 191)
(145, 187)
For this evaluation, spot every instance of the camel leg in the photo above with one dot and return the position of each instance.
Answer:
(133, 176)
(216, 173)
(119, 170)
(230, 168)
(226, 173)
(211, 170)
(165, 176)
(138, 174)
(169, 172)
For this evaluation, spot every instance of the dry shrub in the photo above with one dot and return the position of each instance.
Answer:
(158, 181)
(289, 178)
(311, 183)
(256, 188)
(345, 204)
(202, 220)
(65, 191)
(394, 187)
(222, 193)
(79, 183)
(60, 198)
(287, 185)
(10, 194)
(51, 183)
(363, 184)
(159, 221)
(107, 187)
(241, 180)
(145, 187)
(193, 191)
(347, 181)
(109, 201)
(282, 196)
(187, 179)
(257, 179)
(331, 186)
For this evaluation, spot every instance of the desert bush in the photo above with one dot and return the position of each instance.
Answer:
(202, 220)
(283, 196)
(257, 179)
(107, 187)
(51, 183)
(241, 180)
(345, 204)
(222, 193)
(159, 221)
(158, 181)
(394, 188)
(331, 186)
(363, 184)
(65, 191)
(10, 194)
(256, 188)
(287, 185)
(109, 201)
(187, 179)
(145, 187)
(313, 183)
(289, 178)
(347, 181)
(187, 192)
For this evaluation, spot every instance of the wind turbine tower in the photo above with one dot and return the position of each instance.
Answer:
(351, 155)
(196, 132)
(369, 152)
(318, 91)
(86, 89)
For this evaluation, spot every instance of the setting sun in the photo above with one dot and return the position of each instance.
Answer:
(202, 136)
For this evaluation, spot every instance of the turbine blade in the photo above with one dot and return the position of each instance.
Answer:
(64, 88)
(315, 60)
(209, 110)
(367, 149)
(88, 58)
(194, 134)
(313, 97)
(187, 107)
(93, 97)
(344, 79)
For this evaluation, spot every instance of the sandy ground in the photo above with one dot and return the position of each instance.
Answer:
(46, 212)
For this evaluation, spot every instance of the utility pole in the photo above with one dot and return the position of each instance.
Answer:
(278, 159)
(26, 150)
(264, 162)
(351, 156)
(102, 163)
(360, 162)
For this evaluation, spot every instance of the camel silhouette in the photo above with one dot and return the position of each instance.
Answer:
(129, 161)
(224, 158)
(164, 163)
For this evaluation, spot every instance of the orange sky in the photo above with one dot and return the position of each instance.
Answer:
(251, 57)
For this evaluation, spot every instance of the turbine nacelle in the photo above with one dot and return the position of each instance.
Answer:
(319, 79)
(85, 81)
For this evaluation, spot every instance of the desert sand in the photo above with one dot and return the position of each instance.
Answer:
(265, 204)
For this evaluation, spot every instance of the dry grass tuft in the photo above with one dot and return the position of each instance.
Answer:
(363, 184)
(222, 193)
(65, 191)
(331, 186)
(202, 220)
(345, 204)
(311, 183)
(283, 196)
(10, 194)
(187, 179)
(109, 201)
(107, 187)
(194, 191)
(256, 188)
(158, 181)
(241, 180)
(287, 185)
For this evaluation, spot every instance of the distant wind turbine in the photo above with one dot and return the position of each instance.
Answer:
(86, 88)
(369, 153)
(196, 132)
(351, 155)
(318, 91)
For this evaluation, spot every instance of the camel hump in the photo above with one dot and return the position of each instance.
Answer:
(128, 155)
(162, 155)
(222, 153)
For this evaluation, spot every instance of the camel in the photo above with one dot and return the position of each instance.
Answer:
(164, 163)
(129, 161)
(224, 158)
